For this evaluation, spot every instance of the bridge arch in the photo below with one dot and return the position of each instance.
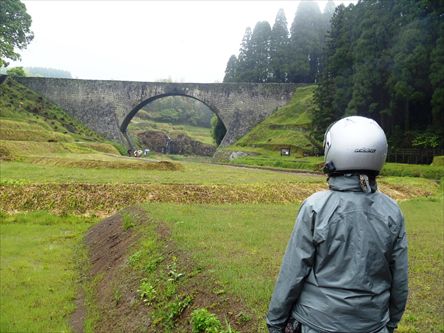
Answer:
(126, 121)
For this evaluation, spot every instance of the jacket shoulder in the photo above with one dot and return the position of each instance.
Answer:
(318, 199)
(389, 204)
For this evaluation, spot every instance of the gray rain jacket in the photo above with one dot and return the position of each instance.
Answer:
(345, 267)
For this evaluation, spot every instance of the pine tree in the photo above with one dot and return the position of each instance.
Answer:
(437, 74)
(231, 72)
(385, 60)
(305, 43)
(335, 81)
(260, 52)
(279, 48)
(371, 59)
(245, 65)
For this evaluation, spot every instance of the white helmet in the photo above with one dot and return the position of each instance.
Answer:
(354, 144)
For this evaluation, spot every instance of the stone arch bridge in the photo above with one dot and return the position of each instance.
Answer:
(107, 107)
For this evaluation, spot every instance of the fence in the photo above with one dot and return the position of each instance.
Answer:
(405, 155)
(413, 156)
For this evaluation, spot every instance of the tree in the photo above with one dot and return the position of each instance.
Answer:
(335, 81)
(305, 42)
(245, 64)
(15, 31)
(254, 55)
(279, 42)
(16, 71)
(260, 52)
(218, 129)
(231, 72)
(385, 60)
(329, 10)
(437, 78)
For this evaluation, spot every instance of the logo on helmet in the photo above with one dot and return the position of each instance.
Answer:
(365, 150)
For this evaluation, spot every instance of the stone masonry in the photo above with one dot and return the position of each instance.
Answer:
(107, 107)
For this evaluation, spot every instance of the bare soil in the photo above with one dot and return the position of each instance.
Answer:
(116, 283)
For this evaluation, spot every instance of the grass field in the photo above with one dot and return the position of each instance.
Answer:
(239, 244)
(39, 277)
(234, 222)
(243, 245)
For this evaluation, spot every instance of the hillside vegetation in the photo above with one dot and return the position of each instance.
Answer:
(36, 131)
(31, 125)
(288, 127)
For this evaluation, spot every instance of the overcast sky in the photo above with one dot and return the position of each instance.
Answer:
(186, 41)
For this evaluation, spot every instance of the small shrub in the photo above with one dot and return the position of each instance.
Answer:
(146, 291)
(203, 321)
(173, 274)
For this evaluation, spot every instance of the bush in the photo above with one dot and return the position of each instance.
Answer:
(203, 321)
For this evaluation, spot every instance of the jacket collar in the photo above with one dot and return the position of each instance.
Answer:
(349, 183)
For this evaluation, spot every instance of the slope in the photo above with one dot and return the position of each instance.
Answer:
(288, 127)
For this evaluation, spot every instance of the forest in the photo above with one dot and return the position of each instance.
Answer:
(379, 59)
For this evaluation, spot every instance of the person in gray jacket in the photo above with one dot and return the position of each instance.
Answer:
(345, 267)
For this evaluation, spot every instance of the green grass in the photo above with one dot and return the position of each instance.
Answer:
(242, 245)
(38, 271)
(239, 243)
(20, 104)
(438, 161)
(413, 170)
(192, 173)
(425, 231)
(263, 158)
(287, 127)
(31, 125)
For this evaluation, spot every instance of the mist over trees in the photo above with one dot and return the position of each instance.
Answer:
(385, 60)
(275, 54)
(47, 72)
(378, 59)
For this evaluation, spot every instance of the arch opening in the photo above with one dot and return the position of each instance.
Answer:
(174, 124)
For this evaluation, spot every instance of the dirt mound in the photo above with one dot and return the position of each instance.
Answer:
(108, 245)
(117, 305)
(181, 144)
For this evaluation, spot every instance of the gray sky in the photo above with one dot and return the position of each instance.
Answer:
(186, 41)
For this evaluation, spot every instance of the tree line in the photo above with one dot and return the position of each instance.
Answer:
(275, 54)
(379, 59)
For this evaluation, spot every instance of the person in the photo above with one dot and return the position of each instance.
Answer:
(345, 266)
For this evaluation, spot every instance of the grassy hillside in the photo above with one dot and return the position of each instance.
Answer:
(31, 125)
(287, 127)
